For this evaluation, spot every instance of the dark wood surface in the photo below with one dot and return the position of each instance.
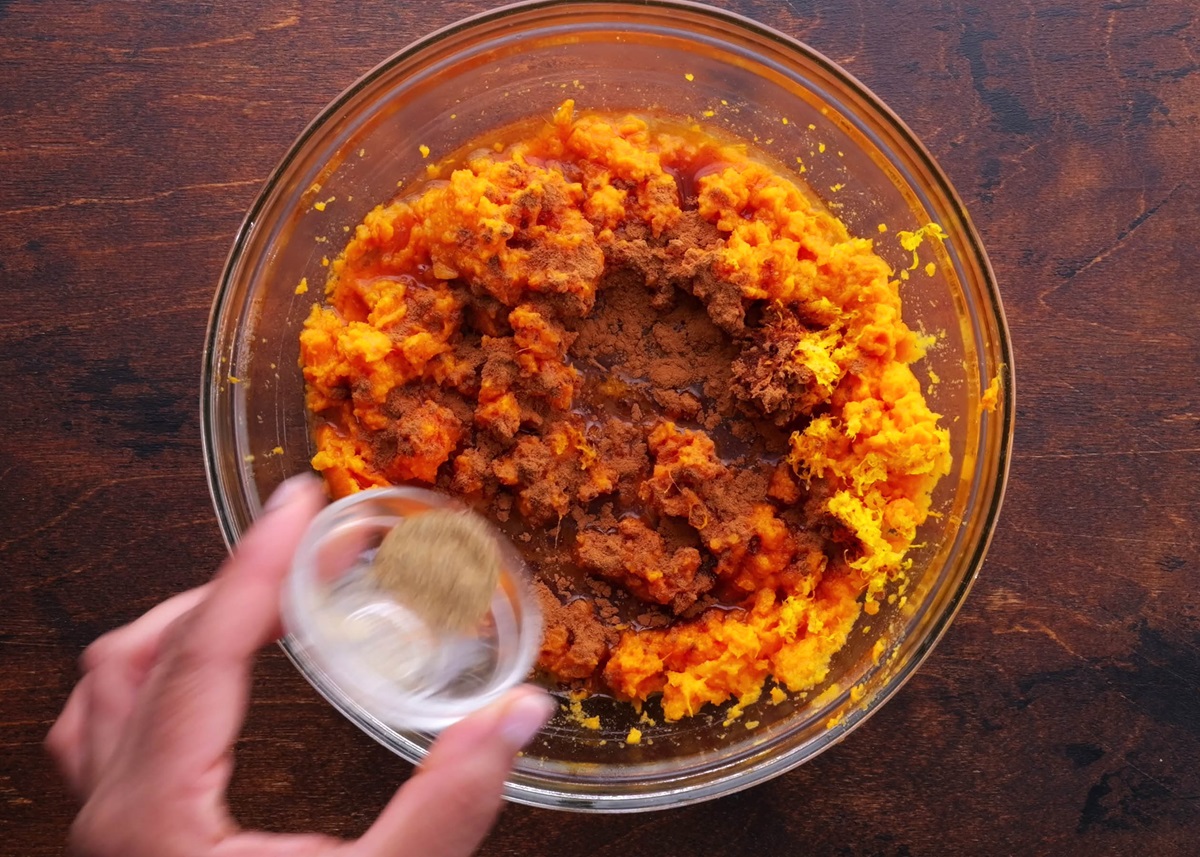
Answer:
(1061, 714)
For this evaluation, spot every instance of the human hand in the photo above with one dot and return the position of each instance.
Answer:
(146, 737)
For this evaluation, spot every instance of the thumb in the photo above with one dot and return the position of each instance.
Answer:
(449, 805)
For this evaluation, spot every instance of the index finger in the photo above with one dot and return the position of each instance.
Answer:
(197, 692)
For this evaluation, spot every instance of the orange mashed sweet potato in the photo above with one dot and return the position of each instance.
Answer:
(678, 383)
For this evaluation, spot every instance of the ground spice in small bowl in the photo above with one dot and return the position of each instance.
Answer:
(669, 375)
(443, 565)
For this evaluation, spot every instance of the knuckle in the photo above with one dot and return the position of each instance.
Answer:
(100, 651)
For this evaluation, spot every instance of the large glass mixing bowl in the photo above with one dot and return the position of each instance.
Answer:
(680, 59)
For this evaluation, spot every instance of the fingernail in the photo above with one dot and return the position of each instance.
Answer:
(524, 717)
(288, 490)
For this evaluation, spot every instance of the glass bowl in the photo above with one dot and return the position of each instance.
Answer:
(357, 642)
(683, 59)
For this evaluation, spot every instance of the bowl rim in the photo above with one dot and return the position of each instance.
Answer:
(771, 766)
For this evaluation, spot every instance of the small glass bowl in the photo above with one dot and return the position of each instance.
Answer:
(521, 62)
(366, 650)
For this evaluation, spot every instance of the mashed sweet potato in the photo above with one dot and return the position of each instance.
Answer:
(681, 386)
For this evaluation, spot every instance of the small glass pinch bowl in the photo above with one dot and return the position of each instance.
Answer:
(364, 649)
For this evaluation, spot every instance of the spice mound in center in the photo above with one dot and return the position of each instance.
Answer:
(680, 385)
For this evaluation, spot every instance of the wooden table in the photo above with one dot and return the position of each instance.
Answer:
(1061, 714)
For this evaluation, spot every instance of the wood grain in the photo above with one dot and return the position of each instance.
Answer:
(1062, 711)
